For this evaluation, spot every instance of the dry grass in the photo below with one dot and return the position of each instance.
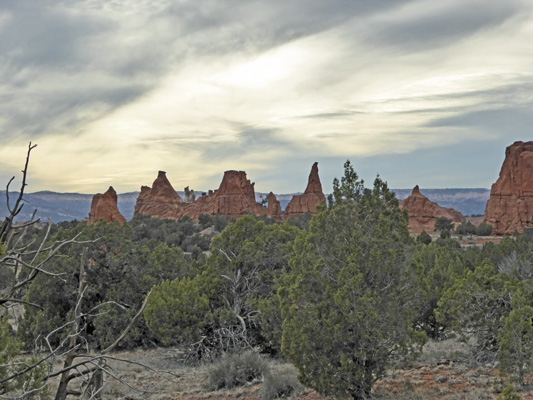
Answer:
(436, 376)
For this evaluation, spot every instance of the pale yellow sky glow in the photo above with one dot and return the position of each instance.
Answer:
(261, 87)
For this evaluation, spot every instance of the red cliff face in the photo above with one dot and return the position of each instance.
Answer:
(423, 212)
(307, 202)
(159, 201)
(104, 206)
(234, 198)
(510, 206)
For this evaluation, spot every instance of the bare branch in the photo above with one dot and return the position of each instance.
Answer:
(112, 346)
(14, 211)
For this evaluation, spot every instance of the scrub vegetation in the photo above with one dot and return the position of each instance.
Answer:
(330, 306)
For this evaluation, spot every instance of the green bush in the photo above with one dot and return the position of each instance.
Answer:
(443, 224)
(234, 370)
(280, 384)
(515, 338)
(424, 238)
(445, 234)
(484, 229)
(12, 363)
(509, 393)
(178, 311)
(466, 228)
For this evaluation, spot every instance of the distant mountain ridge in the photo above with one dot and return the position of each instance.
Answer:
(69, 206)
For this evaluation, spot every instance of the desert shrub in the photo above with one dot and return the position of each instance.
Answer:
(449, 242)
(205, 221)
(515, 338)
(466, 228)
(474, 307)
(509, 393)
(178, 311)
(424, 238)
(30, 381)
(220, 222)
(280, 384)
(484, 229)
(445, 234)
(233, 370)
(443, 224)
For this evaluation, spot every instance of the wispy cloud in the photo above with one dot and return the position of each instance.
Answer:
(124, 88)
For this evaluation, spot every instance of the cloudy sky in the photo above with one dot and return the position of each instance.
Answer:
(420, 91)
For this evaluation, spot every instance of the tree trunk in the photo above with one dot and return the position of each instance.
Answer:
(62, 389)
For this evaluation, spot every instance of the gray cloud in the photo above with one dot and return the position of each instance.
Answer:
(438, 26)
(517, 120)
(67, 63)
(249, 140)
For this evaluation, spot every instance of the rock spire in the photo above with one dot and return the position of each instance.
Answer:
(104, 207)
(159, 201)
(307, 202)
(510, 206)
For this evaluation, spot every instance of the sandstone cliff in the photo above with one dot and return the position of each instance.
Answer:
(510, 205)
(104, 206)
(423, 212)
(234, 198)
(159, 201)
(274, 207)
(307, 202)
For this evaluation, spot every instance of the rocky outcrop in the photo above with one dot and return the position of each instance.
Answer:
(423, 212)
(104, 207)
(189, 195)
(303, 203)
(234, 198)
(274, 207)
(510, 206)
(159, 201)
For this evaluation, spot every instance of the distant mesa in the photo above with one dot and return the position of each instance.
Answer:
(104, 207)
(303, 203)
(423, 212)
(510, 206)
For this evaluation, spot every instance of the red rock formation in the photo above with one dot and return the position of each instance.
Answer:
(510, 205)
(423, 212)
(104, 206)
(307, 202)
(274, 207)
(234, 198)
(159, 201)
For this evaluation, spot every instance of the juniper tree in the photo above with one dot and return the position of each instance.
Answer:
(349, 301)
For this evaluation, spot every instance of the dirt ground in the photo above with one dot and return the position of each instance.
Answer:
(438, 374)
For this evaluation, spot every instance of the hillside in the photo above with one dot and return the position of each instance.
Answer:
(69, 206)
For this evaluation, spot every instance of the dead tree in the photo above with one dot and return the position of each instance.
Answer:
(25, 261)
(91, 368)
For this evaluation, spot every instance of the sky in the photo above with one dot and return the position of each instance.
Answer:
(421, 92)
